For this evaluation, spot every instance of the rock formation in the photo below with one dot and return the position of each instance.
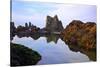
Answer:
(53, 24)
(12, 27)
(27, 29)
(26, 25)
(12, 30)
(81, 34)
(81, 37)
(22, 56)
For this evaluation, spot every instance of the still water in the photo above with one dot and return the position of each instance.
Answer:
(52, 49)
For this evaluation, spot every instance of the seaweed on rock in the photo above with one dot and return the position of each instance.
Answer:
(22, 56)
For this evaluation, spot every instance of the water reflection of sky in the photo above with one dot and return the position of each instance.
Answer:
(51, 53)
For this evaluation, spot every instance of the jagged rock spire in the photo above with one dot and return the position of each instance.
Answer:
(53, 24)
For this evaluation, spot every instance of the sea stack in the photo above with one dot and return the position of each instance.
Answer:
(53, 24)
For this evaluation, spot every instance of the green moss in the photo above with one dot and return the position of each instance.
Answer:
(22, 56)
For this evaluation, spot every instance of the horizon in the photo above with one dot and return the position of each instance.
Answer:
(36, 12)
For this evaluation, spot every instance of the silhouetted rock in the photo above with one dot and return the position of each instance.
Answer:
(27, 29)
(12, 30)
(53, 24)
(26, 25)
(30, 24)
(12, 27)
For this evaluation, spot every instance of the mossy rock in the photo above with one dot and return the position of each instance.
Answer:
(22, 56)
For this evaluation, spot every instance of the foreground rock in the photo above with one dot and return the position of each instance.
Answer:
(81, 34)
(22, 56)
(81, 37)
(53, 24)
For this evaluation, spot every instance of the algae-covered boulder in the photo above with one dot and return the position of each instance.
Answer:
(22, 56)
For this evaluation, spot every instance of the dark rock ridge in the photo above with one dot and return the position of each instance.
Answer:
(12, 27)
(22, 56)
(28, 29)
(12, 30)
(53, 24)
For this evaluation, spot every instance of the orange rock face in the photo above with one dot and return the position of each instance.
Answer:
(84, 34)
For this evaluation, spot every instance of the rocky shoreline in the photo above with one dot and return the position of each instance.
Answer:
(79, 36)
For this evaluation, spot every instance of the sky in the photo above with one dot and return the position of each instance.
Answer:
(36, 12)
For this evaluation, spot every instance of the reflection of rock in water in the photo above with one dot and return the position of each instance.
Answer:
(90, 53)
(22, 35)
(49, 37)
(35, 36)
(73, 47)
(52, 37)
